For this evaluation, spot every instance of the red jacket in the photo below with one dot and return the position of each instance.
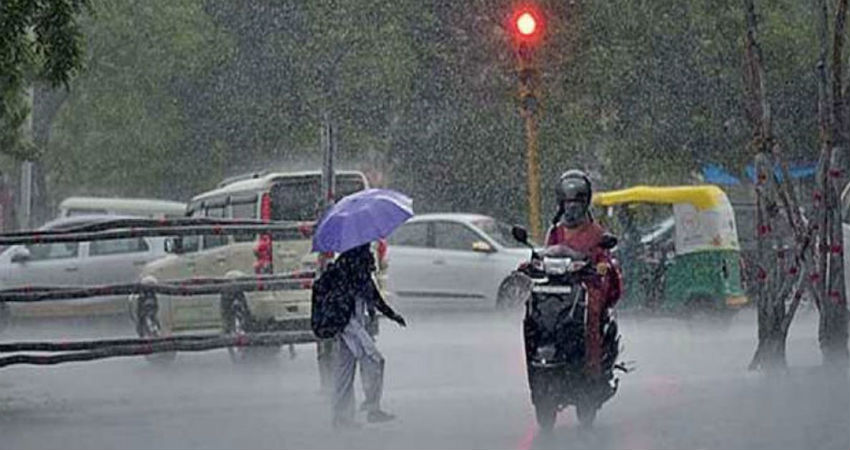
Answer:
(603, 292)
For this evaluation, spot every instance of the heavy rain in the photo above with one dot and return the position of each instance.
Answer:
(423, 224)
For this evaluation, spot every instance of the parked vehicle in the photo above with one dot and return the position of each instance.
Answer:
(113, 261)
(273, 197)
(554, 330)
(137, 207)
(455, 256)
(690, 263)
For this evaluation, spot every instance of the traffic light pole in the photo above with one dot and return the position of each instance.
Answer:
(529, 93)
(533, 171)
(527, 29)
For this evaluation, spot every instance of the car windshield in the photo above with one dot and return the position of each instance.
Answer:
(298, 198)
(499, 232)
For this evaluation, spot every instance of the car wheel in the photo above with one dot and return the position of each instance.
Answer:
(513, 292)
(238, 321)
(148, 326)
(5, 316)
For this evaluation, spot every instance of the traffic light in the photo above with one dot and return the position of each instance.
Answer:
(527, 25)
(527, 28)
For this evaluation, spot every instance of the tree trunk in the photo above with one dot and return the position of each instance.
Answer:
(832, 332)
(46, 105)
(770, 353)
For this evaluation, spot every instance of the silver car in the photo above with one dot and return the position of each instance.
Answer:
(458, 257)
(102, 262)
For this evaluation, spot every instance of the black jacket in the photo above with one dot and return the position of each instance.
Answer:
(335, 291)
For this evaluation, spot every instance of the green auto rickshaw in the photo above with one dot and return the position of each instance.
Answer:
(688, 262)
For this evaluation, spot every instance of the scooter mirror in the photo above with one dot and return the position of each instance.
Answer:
(520, 234)
(608, 242)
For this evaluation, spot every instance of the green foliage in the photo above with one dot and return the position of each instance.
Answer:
(39, 40)
(178, 95)
(123, 125)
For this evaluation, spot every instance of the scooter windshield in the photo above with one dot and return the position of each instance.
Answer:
(563, 251)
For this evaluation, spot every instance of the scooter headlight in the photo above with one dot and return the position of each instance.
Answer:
(556, 266)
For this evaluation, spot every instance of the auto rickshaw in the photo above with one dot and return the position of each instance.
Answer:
(689, 262)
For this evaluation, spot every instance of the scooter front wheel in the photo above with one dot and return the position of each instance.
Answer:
(586, 414)
(546, 412)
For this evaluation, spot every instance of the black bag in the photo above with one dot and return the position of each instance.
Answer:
(332, 306)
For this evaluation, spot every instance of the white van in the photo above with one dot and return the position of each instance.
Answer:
(136, 207)
(292, 196)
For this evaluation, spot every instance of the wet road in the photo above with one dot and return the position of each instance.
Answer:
(455, 380)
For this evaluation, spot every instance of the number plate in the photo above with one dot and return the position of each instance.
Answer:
(552, 289)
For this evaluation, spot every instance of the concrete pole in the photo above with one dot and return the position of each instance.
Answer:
(533, 169)
(25, 207)
(325, 348)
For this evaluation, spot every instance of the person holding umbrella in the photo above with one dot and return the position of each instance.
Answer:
(348, 228)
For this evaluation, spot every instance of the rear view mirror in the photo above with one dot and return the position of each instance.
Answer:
(608, 241)
(520, 234)
(21, 255)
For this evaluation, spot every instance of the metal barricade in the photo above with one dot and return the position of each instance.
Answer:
(91, 350)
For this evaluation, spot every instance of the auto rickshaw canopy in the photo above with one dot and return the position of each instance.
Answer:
(704, 219)
(702, 197)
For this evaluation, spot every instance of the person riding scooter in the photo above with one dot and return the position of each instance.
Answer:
(574, 226)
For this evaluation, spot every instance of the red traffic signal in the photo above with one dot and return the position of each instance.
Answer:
(527, 24)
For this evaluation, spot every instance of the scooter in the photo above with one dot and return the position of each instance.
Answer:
(554, 332)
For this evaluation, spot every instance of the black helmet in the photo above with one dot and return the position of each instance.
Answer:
(574, 185)
(574, 191)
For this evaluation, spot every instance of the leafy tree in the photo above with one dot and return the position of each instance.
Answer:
(39, 41)
(810, 264)
(123, 128)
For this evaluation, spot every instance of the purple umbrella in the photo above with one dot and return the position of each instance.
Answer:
(361, 218)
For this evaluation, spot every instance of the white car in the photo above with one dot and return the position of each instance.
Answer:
(457, 256)
(102, 262)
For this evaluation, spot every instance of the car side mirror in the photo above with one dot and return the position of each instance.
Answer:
(608, 241)
(21, 255)
(482, 247)
(520, 234)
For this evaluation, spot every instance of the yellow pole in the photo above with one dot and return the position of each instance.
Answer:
(533, 170)
(528, 77)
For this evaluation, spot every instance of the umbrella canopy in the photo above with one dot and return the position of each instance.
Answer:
(361, 218)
